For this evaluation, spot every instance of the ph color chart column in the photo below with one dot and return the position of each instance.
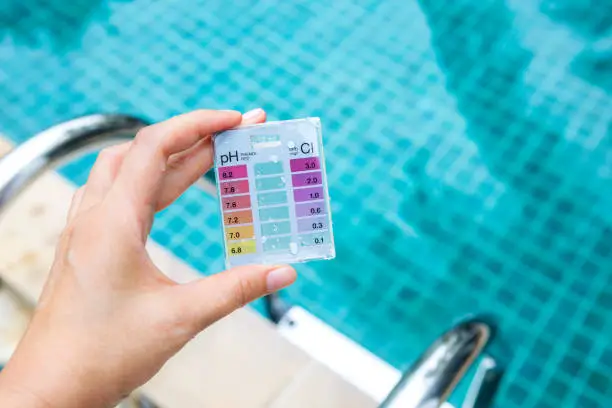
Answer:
(310, 204)
(273, 208)
(237, 212)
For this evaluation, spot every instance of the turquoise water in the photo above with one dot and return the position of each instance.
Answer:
(469, 149)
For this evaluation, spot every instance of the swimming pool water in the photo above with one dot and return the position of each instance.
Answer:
(469, 149)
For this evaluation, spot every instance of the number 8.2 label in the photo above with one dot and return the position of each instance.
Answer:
(232, 172)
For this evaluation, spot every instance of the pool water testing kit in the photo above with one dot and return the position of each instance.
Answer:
(273, 194)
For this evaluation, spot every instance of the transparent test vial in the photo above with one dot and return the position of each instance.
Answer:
(273, 193)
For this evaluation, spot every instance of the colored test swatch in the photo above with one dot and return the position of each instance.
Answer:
(236, 209)
(273, 193)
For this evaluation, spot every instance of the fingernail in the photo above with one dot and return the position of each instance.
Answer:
(252, 114)
(280, 278)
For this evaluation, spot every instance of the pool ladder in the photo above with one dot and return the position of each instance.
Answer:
(427, 384)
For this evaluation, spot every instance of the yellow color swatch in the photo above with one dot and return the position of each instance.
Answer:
(241, 248)
(237, 233)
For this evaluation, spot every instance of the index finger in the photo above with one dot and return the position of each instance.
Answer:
(142, 172)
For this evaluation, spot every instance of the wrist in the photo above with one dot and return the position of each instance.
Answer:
(15, 397)
(47, 374)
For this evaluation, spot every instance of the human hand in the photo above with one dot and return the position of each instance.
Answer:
(108, 318)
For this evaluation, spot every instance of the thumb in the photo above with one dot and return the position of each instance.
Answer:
(209, 299)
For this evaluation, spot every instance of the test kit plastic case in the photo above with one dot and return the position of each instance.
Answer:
(273, 193)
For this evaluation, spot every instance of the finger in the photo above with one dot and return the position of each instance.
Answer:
(184, 170)
(144, 168)
(103, 174)
(75, 204)
(253, 116)
(186, 167)
(209, 299)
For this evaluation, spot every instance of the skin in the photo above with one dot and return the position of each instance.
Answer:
(108, 318)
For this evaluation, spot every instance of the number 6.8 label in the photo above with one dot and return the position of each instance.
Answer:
(246, 247)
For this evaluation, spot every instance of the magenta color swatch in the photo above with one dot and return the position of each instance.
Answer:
(306, 179)
(308, 194)
(305, 164)
(232, 172)
(234, 187)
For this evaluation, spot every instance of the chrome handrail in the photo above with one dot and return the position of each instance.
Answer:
(433, 377)
(59, 144)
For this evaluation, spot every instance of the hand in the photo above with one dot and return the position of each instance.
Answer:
(108, 319)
